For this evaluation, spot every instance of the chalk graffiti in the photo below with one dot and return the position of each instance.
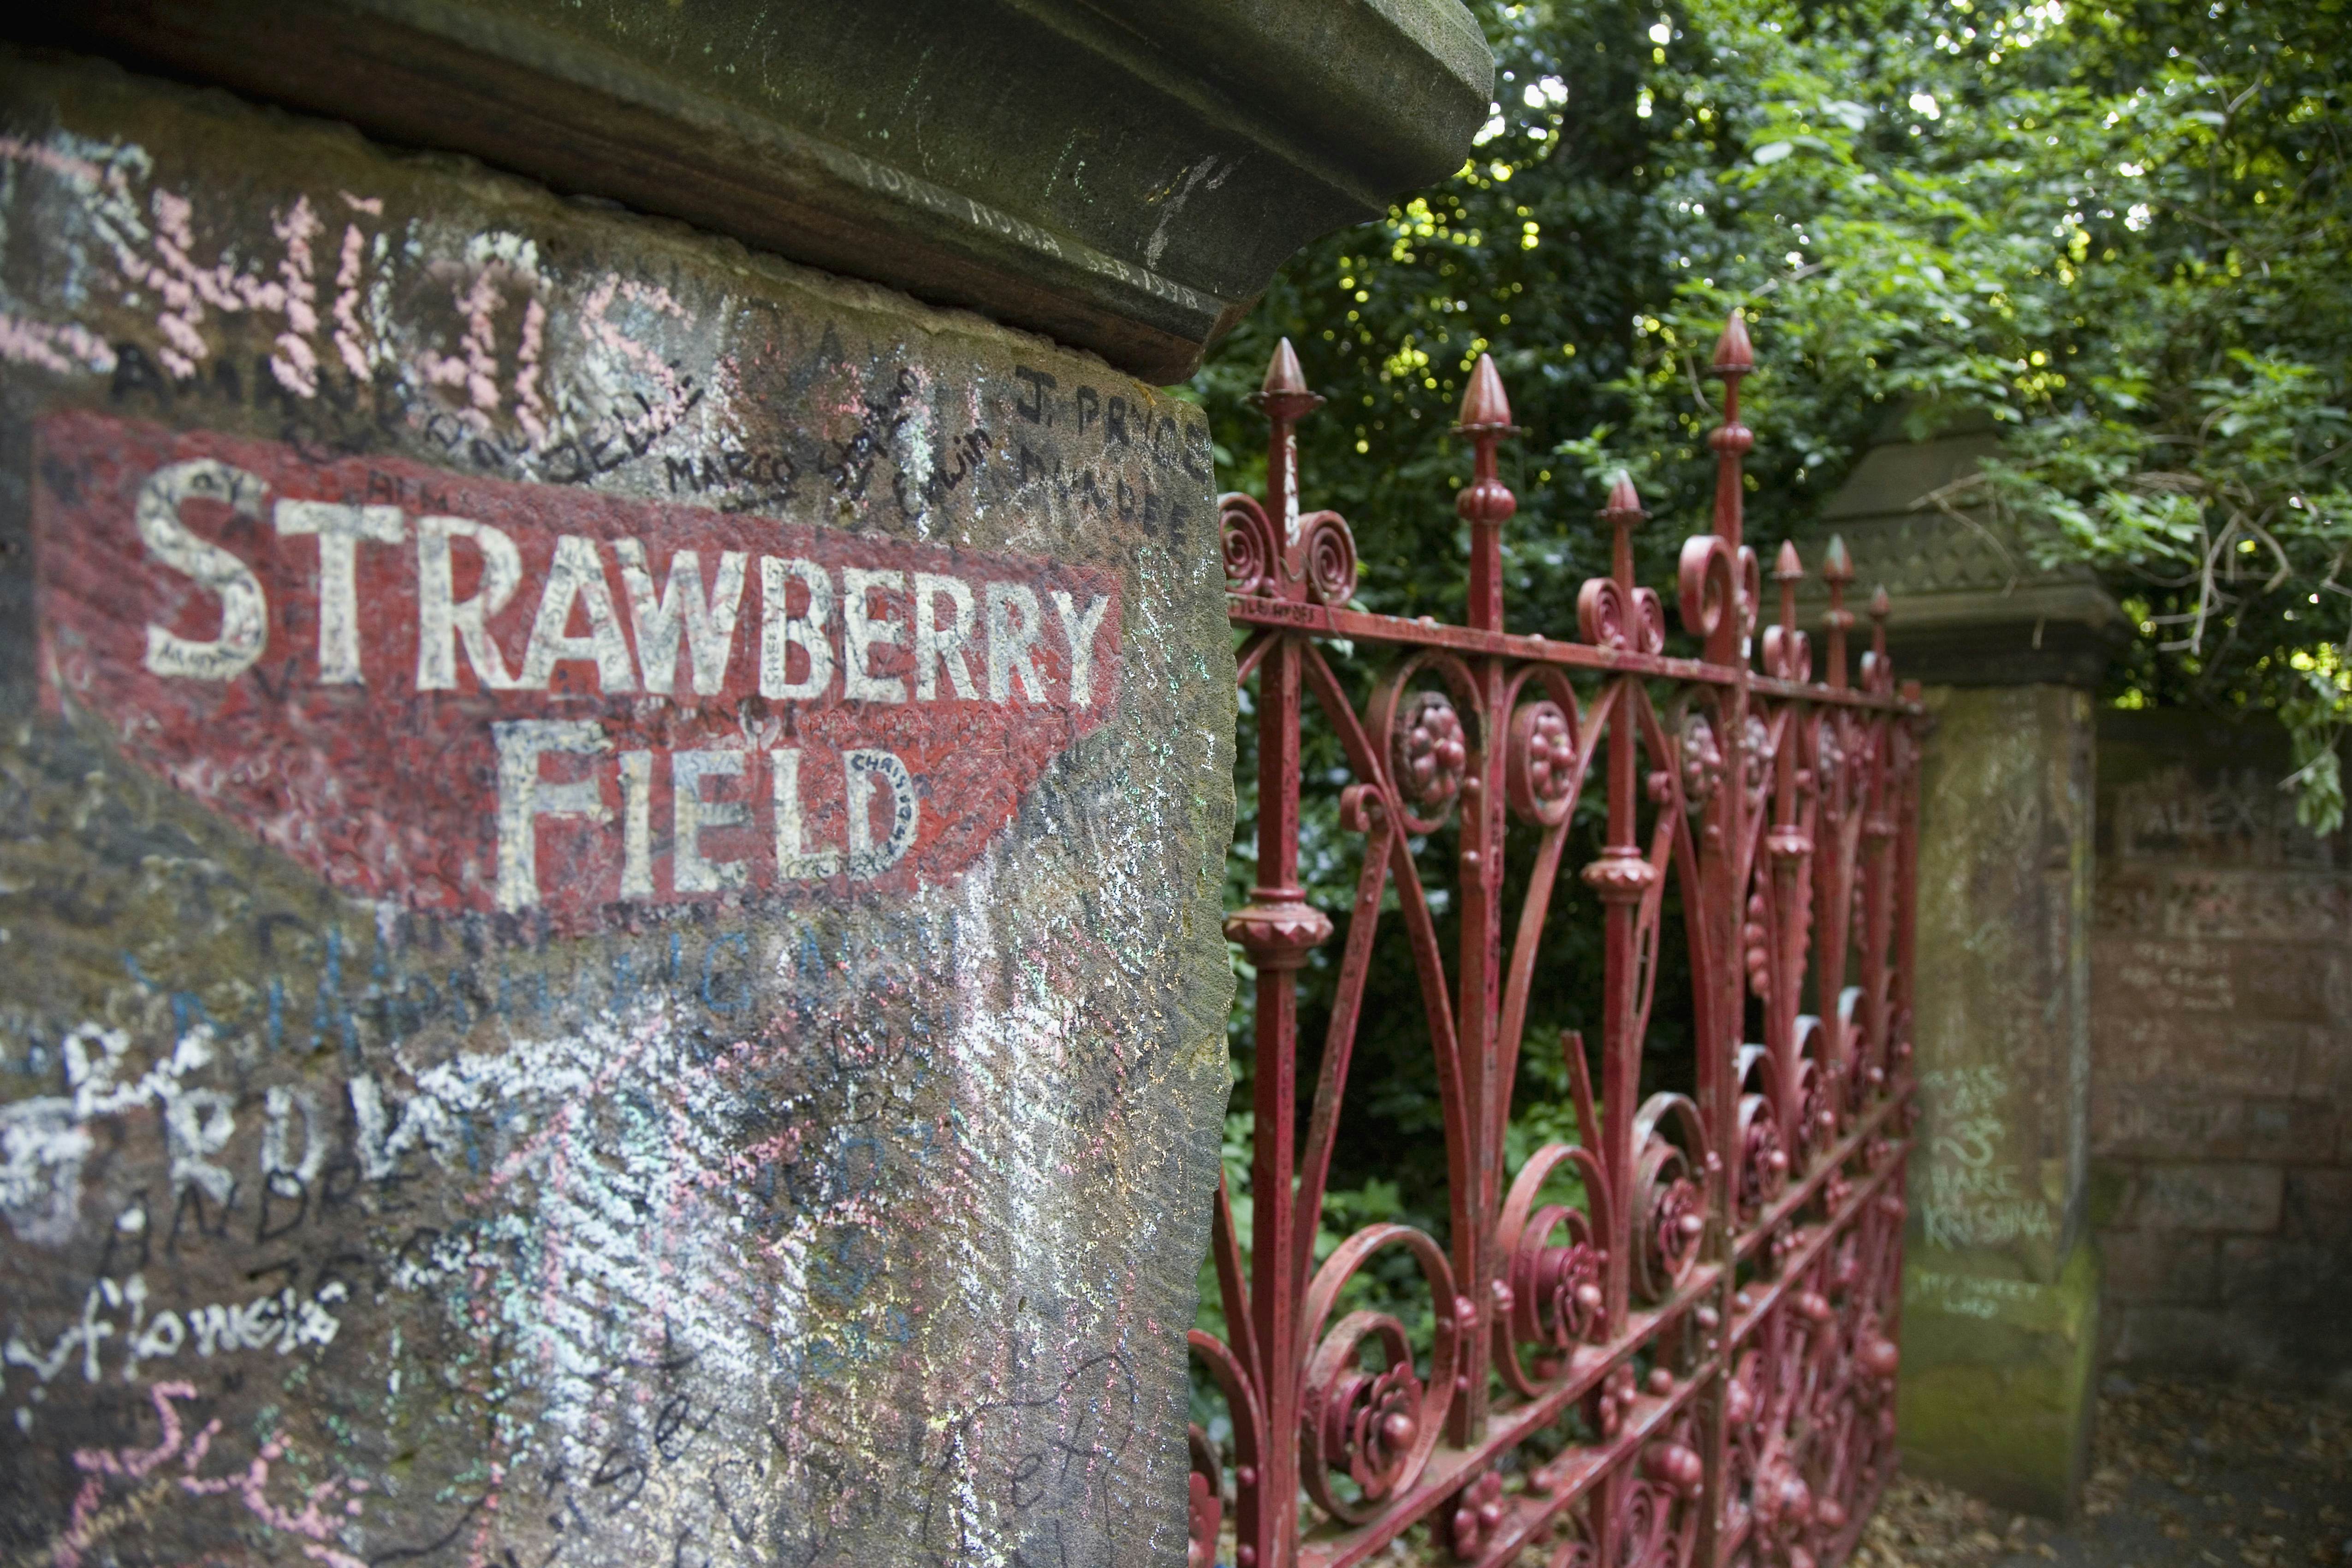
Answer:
(550, 1138)
(1975, 1296)
(1973, 1197)
(399, 1226)
(279, 1320)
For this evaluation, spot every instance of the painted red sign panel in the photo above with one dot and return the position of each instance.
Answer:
(466, 694)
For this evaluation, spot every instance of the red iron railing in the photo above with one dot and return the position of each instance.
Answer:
(1712, 1324)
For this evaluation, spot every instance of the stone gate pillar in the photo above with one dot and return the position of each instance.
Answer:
(611, 843)
(2001, 1285)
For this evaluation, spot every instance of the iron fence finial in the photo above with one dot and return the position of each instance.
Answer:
(1837, 570)
(1734, 358)
(1624, 503)
(1282, 372)
(1483, 404)
(1624, 513)
(1734, 355)
(1486, 504)
(1837, 566)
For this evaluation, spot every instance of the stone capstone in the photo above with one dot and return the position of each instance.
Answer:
(1970, 606)
(1122, 178)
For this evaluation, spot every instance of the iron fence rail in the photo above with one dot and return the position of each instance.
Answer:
(1689, 1356)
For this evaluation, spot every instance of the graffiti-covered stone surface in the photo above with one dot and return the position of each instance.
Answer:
(2001, 1285)
(2222, 1057)
(609, 869)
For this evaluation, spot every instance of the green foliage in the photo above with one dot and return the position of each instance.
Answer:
(2117, 234)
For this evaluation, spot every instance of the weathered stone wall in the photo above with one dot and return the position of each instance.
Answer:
(520, 1047)
(2221, 1045)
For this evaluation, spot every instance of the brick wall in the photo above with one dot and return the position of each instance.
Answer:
(2222, 1057)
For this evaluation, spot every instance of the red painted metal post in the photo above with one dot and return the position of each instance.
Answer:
(1277, 929)
(1486, 504)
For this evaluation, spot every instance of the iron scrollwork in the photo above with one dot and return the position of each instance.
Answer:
(1706, 1282)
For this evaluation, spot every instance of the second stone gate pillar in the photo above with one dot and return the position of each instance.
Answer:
(2001, 1280)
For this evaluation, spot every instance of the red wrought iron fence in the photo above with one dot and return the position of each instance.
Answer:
(1672, 1340)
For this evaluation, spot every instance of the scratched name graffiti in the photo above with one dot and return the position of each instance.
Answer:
(2231, 816)
(373, 324)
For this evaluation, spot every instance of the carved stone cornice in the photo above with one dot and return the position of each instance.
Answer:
(1970, 609)
(1122, 178)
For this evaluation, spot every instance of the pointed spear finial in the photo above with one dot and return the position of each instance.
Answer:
(1285, 400)
(1625, 504)
(1837, 566)
(1282, 372)
(1837, 570)
(1734, 358)
(1877, 675)
(1734, 355)
(1483, 406)
(1284, 396)
(1788, 569)
(1622, 514)
(1486, 504)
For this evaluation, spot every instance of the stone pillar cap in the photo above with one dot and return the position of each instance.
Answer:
(1122, 178)
(1970, 607)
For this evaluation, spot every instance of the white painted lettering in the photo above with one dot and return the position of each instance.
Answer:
(524, 798)
(940, 646)
(707, 624)
(636, 824)
(861, 633)
(1079, 630)
(781, 631)
(794, 861)
(690, 872)
(866, 772)
(442, 617)
(245, 609)
(576, 578)
(1012, 644)
(340, 528)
